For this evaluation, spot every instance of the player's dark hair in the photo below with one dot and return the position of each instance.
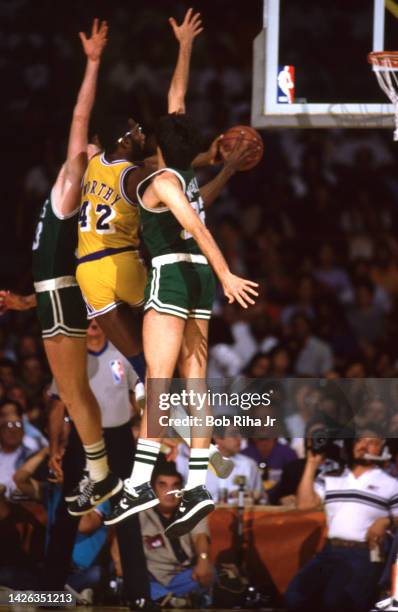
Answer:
(179, 140)
(18, 407)
(165, 468)
(109, 130)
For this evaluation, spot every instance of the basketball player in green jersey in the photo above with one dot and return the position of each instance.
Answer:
(60, 306)
(178, 302)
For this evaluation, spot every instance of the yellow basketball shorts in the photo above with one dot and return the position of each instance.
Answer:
(107, 282)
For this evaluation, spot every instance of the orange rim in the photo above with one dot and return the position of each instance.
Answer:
(389, 59)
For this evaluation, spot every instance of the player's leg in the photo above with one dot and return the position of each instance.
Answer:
(123, 327)
(67, 357)
(162, 335)
(113, 289)
(192, 365)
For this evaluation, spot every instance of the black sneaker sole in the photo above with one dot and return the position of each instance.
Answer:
(111, 493)
(185, 524)
(131, 511)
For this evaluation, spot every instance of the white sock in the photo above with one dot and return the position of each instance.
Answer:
(96, 460)
(146, 454)
(198, 463)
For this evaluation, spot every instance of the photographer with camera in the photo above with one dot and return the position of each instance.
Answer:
(361, 502)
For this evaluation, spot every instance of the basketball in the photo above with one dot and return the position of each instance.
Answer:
(250, 137)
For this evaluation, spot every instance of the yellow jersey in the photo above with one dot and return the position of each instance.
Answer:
(108, 220)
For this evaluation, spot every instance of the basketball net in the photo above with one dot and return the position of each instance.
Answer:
(385, 67)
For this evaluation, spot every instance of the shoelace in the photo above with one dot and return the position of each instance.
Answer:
(178, 493)
(129, 488)
(83, 483)
(86, 493)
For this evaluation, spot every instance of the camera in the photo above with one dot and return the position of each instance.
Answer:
(324, 442)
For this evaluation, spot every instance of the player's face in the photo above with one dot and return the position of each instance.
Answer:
(134, 141)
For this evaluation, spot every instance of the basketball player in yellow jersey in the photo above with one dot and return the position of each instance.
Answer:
(110, 273)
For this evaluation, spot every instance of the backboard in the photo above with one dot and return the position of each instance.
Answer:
(310, 66)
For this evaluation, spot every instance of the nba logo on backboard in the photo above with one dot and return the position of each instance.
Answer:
(285, 93)
(117, 370)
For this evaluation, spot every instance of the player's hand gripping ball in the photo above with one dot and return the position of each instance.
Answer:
(250, 137)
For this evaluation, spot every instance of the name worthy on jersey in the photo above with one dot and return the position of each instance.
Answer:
(108, 219)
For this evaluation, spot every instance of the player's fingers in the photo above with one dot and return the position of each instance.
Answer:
(240, 300)
(83, 37)
(246, 297)
(187, 16)
(197, 32)
(250, 290)
(251, 283)
(94, 29)
(230, 297)
(173, 24)
(196, 19)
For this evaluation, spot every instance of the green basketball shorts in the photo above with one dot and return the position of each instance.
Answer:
(182, 285)
(60, 308)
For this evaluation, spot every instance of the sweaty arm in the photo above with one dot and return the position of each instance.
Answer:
(166, 189)
(68, 183)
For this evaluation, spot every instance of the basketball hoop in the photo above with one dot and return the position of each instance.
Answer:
(385, 67)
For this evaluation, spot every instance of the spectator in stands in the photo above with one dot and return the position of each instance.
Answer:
(16, 563)
(259, 366)
(330, 275)
(365, 317)
(31, 480)
(270, 455)
(33, 438)
(8, 372)
(13, 452)
(304, 303)
(359, 504)
(224, 360)
(314, 356)
(281, 361)
(284, 492)
(384, 271)
(179, 567)
(32, 375)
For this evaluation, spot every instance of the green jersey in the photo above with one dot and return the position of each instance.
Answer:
(161, 231)
(55, 244)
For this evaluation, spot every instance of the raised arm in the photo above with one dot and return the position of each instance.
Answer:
(165, 188)
(67, 186)
(93, 48)
(185, 34)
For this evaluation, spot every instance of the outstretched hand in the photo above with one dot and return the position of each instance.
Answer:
(11, 301)
(236, 288)
(190, 28)
(238, 155)
(94, 46)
